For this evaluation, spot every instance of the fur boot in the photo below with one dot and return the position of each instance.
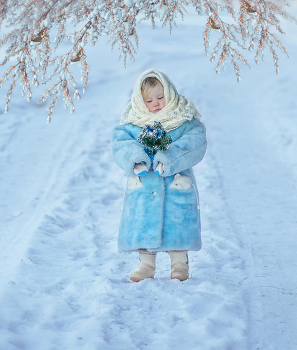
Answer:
(146, 267)
(179, 265)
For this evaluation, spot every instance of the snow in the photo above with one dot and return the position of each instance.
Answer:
(63, 283)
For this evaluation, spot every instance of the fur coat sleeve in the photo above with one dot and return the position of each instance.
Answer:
(186, 151)
(126, 150)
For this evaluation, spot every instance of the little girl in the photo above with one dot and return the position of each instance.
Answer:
(161, 205)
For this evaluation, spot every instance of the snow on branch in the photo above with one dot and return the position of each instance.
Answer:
(254, 26)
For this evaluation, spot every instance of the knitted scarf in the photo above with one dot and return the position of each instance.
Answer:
(177, 110)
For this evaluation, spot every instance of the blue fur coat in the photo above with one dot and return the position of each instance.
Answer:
(160, 213)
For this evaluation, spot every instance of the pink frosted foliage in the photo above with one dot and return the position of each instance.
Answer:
(254, 25)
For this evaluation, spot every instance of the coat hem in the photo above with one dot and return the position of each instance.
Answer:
(159, 250)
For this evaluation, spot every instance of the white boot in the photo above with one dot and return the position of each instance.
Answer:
(146, 267)
(179, 264)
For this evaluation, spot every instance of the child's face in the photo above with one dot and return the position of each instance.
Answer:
(155, 100)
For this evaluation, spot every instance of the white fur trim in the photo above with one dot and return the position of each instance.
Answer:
(134, 182)
(181, 182)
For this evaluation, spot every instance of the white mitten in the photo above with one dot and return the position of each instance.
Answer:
(140, 169)
(159, 169)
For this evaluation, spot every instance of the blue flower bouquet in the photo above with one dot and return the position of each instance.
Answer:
(154, 138)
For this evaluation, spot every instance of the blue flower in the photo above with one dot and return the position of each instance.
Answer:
(159, 133)
(149, 128)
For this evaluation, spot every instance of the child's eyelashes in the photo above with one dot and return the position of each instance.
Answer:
(159, 98)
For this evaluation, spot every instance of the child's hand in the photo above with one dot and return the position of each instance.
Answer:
(159, 169)
(140, 169)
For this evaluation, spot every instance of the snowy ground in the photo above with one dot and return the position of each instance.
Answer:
(63, 283)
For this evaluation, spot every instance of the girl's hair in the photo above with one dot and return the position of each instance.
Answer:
(147, 85)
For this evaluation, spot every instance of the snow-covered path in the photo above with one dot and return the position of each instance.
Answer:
(260, 198)
(63, 283)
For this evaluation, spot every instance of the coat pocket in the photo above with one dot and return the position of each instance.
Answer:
(134, 182)
(181, 182)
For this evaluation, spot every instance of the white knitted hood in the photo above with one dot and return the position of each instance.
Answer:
(177, 110)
